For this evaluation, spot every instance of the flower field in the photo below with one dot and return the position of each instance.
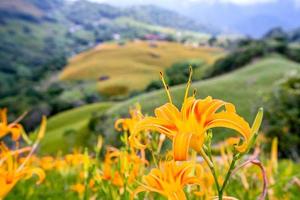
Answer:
(170, 155)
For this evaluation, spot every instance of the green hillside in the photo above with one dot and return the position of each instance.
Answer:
(247, 88)
(68, 129)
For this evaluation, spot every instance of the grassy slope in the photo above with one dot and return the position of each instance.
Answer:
(246, 88)
(74, 122)
(136, 62)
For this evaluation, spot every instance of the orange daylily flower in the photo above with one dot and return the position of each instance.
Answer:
(169, 180)
(130, 165)
(47, 162)
(15, 129)
(187, 127)
(11, 172)
(75, 158)
(128, 124)
(60, 165)
(79, 188)
(13, 169)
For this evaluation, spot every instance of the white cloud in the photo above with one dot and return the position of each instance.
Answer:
(247, 2)
(297, 3)
(237, 2)
(183, 2)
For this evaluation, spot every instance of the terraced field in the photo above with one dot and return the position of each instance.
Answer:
(132, 65)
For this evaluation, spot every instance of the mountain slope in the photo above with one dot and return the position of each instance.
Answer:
(247, 88)
(34, 34)
(155, 15)
(133, 62)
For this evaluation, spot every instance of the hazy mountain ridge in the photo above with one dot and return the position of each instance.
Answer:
(241, 19)
(76, 26)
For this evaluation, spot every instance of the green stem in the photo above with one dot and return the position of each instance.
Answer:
(206, 158)
(209, 162)
(154, 158)
(213, 171)
(232, 165)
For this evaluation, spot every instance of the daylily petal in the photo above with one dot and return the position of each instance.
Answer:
(181, 144)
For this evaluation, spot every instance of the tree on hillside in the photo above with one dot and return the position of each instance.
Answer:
(283, 116)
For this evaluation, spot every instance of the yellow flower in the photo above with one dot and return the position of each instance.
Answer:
(61, 165)
(11, 172)
(169, 180)
(128, 124)
(79, 188)
(14, 129)
(187, 127)
(13, 169)
(47, 162)
(75, 158)
(129, 164)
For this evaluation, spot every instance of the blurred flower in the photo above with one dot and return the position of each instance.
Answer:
(13, 168)
(79, 188)
(169, 180)
(47, 162)
(120, 166)
(128, 124)
(75, 158)
(11, 172)
(15, 129)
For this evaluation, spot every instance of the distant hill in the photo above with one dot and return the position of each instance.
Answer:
(235, 16)
(53, 27)
(123, 66)
(281, 34)
(167, 18)
(35, 35)
(19, 9)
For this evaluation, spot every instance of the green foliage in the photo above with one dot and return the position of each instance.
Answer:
(248, 50)
(283, 187)
(238, 58)
(60, 186)
(293, 53)
(154, 85)
(177, 74)
(28, 190)
(283, 116)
